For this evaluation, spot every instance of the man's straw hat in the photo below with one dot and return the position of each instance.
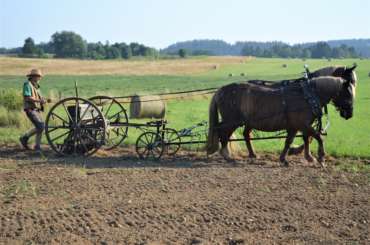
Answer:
(35, 72)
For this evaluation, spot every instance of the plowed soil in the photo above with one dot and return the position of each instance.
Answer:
(114, 198)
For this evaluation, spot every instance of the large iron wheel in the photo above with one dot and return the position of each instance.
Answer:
(149, 145)
(75, 126)
(172, 141)
(116, 119)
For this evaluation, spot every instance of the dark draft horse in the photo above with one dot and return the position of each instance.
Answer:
(272, 109)
(336, 71)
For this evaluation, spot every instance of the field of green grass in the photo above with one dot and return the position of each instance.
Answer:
(346, 138)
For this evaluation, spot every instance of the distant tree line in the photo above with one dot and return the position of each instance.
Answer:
(67, 44)
(330, 49)
(317, 50)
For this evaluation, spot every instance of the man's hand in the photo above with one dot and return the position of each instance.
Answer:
(43, 101)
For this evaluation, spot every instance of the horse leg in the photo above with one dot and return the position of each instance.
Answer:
(299, 149)
(288, 142)
(307, 154)
(296, 150)
(320, 150)
(247, 137)
(224, 138)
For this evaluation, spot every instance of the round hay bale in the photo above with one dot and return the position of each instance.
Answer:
(285, 65)
(230, 74)
(148, 106)
(369, 74)
(215, 67)
(234, 147)
(242, 74)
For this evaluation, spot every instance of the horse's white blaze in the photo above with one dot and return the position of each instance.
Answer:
(355, 83)
(353, 90)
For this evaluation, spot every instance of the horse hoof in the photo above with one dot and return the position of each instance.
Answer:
(310, 159)
(284, 163)
(232, 161)
(229, 159)
(322, 163)
(252, 156)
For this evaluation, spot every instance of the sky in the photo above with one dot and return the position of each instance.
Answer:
(159, 23)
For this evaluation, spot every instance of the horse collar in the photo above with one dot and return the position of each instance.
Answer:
(311, 97)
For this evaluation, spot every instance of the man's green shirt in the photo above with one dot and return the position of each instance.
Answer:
(27, 92)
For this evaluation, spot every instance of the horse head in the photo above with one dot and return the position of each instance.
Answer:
(337, 90)
(344, 100)
(347, 74)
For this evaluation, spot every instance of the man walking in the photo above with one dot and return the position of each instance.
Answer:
(33, 104)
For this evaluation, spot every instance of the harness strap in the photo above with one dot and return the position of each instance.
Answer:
(311, 97)
(35, 94)
(282, 91)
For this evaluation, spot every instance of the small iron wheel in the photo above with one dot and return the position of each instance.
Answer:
(149, 146)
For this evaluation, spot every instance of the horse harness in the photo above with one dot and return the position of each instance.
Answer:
(308, 89)
(309, 94)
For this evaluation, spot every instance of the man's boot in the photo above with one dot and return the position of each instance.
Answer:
(24, 142)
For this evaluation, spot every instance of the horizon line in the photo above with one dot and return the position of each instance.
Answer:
(210, 39)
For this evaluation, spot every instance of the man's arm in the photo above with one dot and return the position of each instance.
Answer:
(30, 99)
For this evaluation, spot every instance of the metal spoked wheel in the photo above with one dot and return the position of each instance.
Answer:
(116, 119)
(75, 126)
(149, 145)
(172, 141)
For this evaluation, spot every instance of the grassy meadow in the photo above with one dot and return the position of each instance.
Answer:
(118, 78)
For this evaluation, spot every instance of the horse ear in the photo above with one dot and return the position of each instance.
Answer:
(352, 68)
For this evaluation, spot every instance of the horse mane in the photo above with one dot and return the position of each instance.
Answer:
(329, 71)
(354, 78)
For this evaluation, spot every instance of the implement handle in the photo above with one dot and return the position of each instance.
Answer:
(76, 90)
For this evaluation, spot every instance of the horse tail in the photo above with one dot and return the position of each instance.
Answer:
(213, 137)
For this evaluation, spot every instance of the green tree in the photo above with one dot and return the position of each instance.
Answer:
(135, 49)
(352, 52)
(68, 45)
(182, 53)
(320, 50)
(338, 53)
(29, 47)
(248, 50)
(306, 53)
(46, 47)
(112, 53)
(126, 52)
(124, 49)
(150, 52)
